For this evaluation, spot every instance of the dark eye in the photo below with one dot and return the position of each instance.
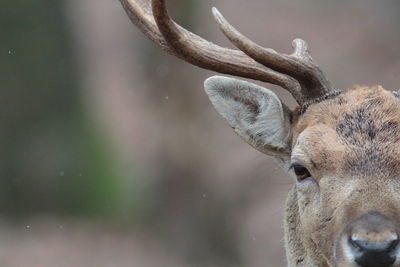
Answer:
(300, 171)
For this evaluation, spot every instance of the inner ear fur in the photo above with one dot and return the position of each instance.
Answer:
(256, 114)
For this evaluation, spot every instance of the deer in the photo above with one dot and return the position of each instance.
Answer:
(341, 147)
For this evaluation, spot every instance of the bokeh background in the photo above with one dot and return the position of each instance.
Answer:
(110, 152)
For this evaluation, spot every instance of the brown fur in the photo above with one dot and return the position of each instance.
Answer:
(351, 145)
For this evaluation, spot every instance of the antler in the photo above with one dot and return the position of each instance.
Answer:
(298, 65)
(297, 73)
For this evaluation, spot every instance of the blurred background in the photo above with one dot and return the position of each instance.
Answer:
(112, 155)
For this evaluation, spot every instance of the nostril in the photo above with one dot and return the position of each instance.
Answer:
(367, 253)
(394, 244)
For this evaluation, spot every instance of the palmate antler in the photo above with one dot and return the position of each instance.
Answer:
(297, 72)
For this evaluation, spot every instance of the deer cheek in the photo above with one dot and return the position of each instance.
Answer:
(307, 193)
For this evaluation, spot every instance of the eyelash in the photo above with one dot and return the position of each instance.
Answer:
(301, 172)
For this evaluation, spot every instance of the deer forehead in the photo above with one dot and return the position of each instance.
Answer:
(357, 131)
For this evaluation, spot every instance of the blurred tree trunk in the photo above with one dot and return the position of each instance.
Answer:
(38, 106)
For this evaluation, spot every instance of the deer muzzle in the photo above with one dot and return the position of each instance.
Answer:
(372, 240)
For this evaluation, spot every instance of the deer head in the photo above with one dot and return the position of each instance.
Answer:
(341, 147)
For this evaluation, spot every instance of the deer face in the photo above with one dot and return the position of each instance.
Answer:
(350, 203)
(344, 156)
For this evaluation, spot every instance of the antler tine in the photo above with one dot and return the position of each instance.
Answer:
(153, 20)
(300, 50)
(298, 65)
(140, 13)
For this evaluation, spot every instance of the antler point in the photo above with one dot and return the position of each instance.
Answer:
(217, 15)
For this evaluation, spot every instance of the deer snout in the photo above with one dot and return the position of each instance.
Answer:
(370, 241)
(370, 253)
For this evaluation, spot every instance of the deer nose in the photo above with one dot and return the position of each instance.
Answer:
(372, 240)
(374, 254)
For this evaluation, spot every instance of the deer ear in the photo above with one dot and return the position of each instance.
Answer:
(256, 114)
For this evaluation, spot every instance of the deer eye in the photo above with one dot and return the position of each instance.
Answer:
(300, 171)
